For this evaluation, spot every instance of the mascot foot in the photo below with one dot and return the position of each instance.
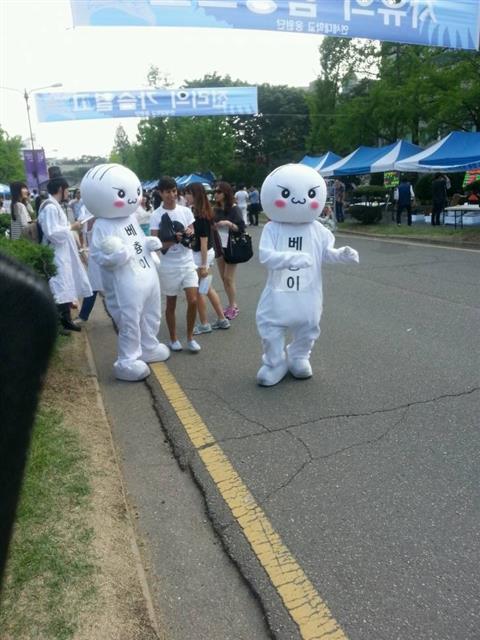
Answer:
(159, 354)
(132, 372)
(268, 376)
(300, 368)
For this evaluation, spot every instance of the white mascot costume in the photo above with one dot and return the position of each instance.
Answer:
(292, 247)
(129, 275)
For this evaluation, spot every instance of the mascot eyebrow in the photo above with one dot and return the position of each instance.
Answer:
(282, 187)
(106, 171)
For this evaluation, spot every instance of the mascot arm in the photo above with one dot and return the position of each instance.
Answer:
(343, 254)
(152, 243)
(111, 252)
(275, 260)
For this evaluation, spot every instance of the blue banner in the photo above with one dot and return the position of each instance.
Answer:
(212, 101)
(444, 23)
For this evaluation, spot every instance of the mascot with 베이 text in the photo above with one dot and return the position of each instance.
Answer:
(125, 255)
(293, 247)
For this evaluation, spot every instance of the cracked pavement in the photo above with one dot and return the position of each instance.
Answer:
(369, 470)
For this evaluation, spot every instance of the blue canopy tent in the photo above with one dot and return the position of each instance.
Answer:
(149, 184)
(358, 162)
(371, 159)
(459, 151)
(4, 189)
(320, 162)
(402, 149)
(183, 181)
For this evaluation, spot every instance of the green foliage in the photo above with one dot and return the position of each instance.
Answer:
(366, 214)
(36, 256)
(4, 223)
(50, 574)
(373, 94)
(423, 188)
(11, 164)
(370, 192)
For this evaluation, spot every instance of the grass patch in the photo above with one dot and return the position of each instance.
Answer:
(51, 567)
(447, 233)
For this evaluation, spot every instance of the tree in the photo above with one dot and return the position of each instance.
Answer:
(11, 164)
(373, 95)
(342, 62)
(122, 152)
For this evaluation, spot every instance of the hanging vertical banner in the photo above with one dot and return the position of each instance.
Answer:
(443, 23)
(35, 165)
(211, 101)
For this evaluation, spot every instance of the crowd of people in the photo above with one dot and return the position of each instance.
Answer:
(192, 224)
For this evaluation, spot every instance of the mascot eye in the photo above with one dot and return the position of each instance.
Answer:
(312, 193)
(285, 193)
(121, 193)
(138, 191)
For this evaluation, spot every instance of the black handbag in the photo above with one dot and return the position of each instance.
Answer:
(238, 249)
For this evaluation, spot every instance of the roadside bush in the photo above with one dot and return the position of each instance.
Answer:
(36, 256)
(370, 192)
(4, 223)
(366, 214)
(423, 188)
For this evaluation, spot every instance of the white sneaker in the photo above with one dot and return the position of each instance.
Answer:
(175, 346)
(202, 328)
(193, 346)
(221, 324)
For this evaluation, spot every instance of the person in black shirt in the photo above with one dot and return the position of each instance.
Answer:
(203, 256)
(439, 197)
(228, 218)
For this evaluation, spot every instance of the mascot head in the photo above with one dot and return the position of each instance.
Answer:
(111, 191)
(293, 193)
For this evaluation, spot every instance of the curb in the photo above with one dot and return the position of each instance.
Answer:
(416, 239)
(141, 574)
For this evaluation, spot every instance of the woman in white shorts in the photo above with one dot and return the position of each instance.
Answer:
(203, 256)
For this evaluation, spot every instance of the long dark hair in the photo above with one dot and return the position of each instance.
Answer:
(227, 191)
(201, 206)
(16, 192)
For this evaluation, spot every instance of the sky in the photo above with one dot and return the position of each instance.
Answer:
(40, 47)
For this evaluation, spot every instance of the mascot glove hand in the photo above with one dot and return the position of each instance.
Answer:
(111, 244)
(351, 254)
(300, 261)
(152, 244)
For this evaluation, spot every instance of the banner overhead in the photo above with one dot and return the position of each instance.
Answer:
(142, 103)
(443, 23)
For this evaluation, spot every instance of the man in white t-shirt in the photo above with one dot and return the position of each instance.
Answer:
(241, 198)
(173, 224)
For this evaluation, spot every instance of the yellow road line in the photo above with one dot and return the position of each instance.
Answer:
(300, 597)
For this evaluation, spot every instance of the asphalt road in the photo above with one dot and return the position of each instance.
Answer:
(368, 472)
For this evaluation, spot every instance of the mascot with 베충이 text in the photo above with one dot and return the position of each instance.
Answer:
(293, 247)
(125, 255)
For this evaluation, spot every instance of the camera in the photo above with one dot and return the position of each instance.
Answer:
(168, 230)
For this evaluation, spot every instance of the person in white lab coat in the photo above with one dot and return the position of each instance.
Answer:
(293, 246)
(71, 281)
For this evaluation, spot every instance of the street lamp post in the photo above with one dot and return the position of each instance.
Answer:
(26, 96)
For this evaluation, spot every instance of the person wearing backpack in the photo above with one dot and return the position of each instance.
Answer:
(71, 281)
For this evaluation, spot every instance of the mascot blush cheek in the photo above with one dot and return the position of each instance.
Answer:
(130, 281)
(293, 247)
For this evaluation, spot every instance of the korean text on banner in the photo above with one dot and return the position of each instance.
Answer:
(217, 101)
(443, 23)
